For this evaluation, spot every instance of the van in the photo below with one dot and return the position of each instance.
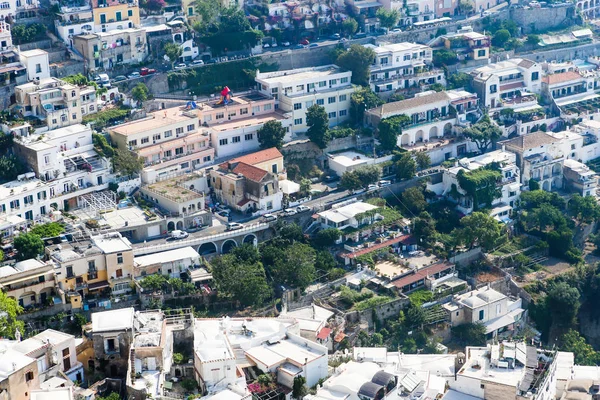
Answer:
(104, 80)
(179, 235)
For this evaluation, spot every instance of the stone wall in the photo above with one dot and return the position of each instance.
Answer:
(541, 19)
(382, 312)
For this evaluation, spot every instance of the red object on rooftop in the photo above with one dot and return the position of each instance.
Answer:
(324, 333)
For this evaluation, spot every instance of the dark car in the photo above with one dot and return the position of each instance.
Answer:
(335, 36)
(119, 78)
(313, 45)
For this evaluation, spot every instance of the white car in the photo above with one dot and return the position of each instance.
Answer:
(198, 62)
(134, 75)
(266, 45)
(179, 234)
(289, 212)
(384, 182)
(370, 188)
(233, 226)
(180, 66)
(270, 217)
(302, 208)
(286, 44)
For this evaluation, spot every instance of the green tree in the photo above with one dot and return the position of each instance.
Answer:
(535, 198)
(48, 230)
(350, 181)
(291, 233)
(9, 324)
(406, 167)
(28, 245)
(271, 134)
(389, 129)
(153, 282)
(178, 358)
(360, 177)
(533, 40)
(584, 209)
(324, 261)
(127, 163)
(349, 26)
(584, 353)
(483, 133)
(112, 396)
(318, 125)
(444, 57)
(424, 228)
(297, 266)
(414, 199)
(469, 334)
(361, 100)
(299, 389)
(357, 59)
(173, 51)
(563, 303)
(501, 37)
(533, 185)
(479, 229)
(423, 160)
(241, 281)
(140, 93)
(11, 167)
(459, 80)
(465, 7)
(326, 237)
(387, 18)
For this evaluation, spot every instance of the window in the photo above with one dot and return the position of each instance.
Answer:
(29, 376)
(91, 108)
(331, 100)
(344, 80)
(178, 131)
(309, 104)
(223, 142)
(481, 315)
(267, 107)
(343, 97)
(498, 309)
(343, 113)
(179, 151)
(480, 53)
(320, 102)
(297, 106)
(119, 273)
(332, 82)
(493, 89)
(572, 147)
(535, 76)
(110, 345)
(168, 153)
(74, 116)
(156, 137)
(119, 258)
(28, 199)
(243, 111)
(311, 86)
(130, 13)
(191, 127)
(332, 114)
(322, 84)
(145, 140)
(15, 204)
(236, 139)
(70, 271)
(249, 136)
(269, 205)
(220, 115)
(255, 109)
(298, 121)
(119, 16)
(299, 88)
(274, 168)
(38, 68)
(133, 143)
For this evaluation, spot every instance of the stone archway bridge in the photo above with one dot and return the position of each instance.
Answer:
(218, 243)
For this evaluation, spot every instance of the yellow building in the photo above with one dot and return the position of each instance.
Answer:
(189, 10)
(102, 264)
(115, 14)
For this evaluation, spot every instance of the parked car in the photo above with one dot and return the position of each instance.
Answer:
(300, 46)
(179, 234)
(233, 226)
(335, 36)
(302, 208)
(270, 217)
(383, 183)
(396, 30)
(222, 207)
(147, 71)
(372, 187)
(223, 213)
(358, 191)
(211, 61)
(343, 40)
(313, 45)
(134, 75)
(288, 212)
(331, 178)
(180, 66)
(266, 46)
(305, 42)
(120, 78)
(286, 44)
(198, 62)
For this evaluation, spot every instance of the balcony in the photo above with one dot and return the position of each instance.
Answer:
(75, 21)
(430, 121)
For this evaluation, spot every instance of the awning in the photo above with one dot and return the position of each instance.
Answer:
(289, 187)
(98, 285)
(503, 321)
(324, 334)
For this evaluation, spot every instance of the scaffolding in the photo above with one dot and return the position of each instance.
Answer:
(95, 203)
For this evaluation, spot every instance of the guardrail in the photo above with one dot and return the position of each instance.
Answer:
(150, 248)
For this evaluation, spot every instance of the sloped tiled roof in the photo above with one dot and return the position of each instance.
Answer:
(561, 77)
(259, 156)
(530, 141)
(419, 101)
(249, 171)
(525, 63)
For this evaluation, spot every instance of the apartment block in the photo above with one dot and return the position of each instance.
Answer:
(295, 91)
(112, 337)
(468, 44)
(402, 67)
(572, 93)
(30, 282)
(73, 21)
(36, 62)
(56, 103)
(168, 140)
(111, 48)
(234, 125)
(18, 373)
(506, 81)
(115, 14)
(579, 178)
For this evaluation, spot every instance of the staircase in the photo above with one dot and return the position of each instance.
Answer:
(434, 315)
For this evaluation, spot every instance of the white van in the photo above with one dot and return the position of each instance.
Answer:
(179, 234)
(104, 80)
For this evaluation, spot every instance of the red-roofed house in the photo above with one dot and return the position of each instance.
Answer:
(268, 159)
(245, 187)
(566, 89)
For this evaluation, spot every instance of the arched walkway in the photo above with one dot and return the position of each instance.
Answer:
(448, 129)
(207, 248)
(179, 225)
(405, 139)
(250, 239)
(556, 182)
(556, 169)
(228, 245)
(171, 226)
(419, 136)
(433, 132)
(546, 186)
(27, 299)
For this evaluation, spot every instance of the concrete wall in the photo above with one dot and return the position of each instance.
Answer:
(467, 257)
(382, 312)
(540, 19)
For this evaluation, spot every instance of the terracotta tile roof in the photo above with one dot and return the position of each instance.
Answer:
(406, 239)
(561, 77)
(339, 337)
(422, 274)
(324, 333)
(259, 156)
(397, 107)
(249, 171)
(530, 141)
(242, 203)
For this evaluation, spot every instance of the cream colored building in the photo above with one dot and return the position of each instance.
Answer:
(169, 140)
(30, 282)
(18, 373)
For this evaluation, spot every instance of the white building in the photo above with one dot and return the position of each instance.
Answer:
(579, 178)
(403, 66)
(36, 62)
(498, 313)
(297, 90)
(510, 184)
(272, 344)
(73, 21)
(346, 216)
(172, 263)
(351, 160)
(504, 83)
(313, 323)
